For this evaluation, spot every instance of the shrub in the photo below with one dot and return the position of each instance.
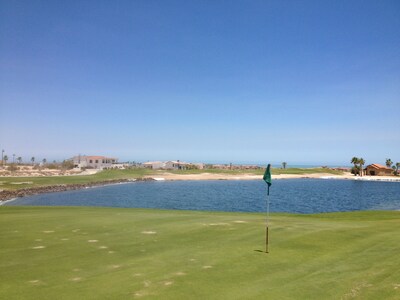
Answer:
(355, 170)
(52, 166)
(67, 165)
(12, 167)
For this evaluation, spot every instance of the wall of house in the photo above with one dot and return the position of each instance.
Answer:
(169, 165)
(379, 172)
(155, 165)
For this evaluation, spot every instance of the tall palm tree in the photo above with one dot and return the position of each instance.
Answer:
(284, 164)
(355, 161)
(33, 160)
(389, 162)
(44, 160)
(19, 159)
(397, 168)
(5, 158)
(361, 161)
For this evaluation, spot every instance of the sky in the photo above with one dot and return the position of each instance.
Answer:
(302, 82)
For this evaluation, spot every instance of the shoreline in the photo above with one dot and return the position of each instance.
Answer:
(10, 195)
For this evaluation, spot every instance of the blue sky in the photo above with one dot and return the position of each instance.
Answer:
(306, 82)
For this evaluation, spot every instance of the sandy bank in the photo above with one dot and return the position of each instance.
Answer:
(213, 176)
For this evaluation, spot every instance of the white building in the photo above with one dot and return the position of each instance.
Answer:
(175, 165)
(96, 162)
(154, 165)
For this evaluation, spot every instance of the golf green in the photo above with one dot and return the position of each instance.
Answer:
(112, 253)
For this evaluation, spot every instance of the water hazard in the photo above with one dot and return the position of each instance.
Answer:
(293, 196)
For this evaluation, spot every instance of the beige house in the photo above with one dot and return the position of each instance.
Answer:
(378, 170)
(96, 162)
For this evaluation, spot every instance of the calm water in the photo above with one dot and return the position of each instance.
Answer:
(294, 196)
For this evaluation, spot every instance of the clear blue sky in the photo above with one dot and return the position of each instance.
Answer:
(306, 82)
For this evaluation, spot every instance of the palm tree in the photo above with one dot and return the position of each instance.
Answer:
(355, 161)
(361, 161)
(389, 162)
(5, 159)
(19, 159)
(13, 158)
(284, 164)
(397, 168)
(33, 160)
(44, 160)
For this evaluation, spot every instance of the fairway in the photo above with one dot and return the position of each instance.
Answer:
(111, 253)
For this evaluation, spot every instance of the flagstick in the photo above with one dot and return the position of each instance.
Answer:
(266, 224)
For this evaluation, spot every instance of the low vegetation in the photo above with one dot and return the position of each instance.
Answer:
(112, 253)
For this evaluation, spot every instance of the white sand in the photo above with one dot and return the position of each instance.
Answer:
(214, 176)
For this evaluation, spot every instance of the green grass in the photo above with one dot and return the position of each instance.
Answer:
(196, 255)
(299, 171)
(10, 182)
(275, 171)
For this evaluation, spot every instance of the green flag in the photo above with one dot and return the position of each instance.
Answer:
(267, 176)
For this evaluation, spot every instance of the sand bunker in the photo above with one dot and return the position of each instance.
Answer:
(92, 241)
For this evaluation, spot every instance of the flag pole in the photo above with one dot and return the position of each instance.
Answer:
(266, 224)
(268, 181)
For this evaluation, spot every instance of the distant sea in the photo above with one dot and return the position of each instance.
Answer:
(292, 196)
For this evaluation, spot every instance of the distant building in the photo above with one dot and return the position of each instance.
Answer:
(96, 162)
(378, 170)
(176, 165)
(199, 166)
(154, 165)
(172, 165)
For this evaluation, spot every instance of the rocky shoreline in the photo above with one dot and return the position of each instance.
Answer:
(11, 194)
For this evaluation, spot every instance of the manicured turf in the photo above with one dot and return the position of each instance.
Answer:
(110, 253)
